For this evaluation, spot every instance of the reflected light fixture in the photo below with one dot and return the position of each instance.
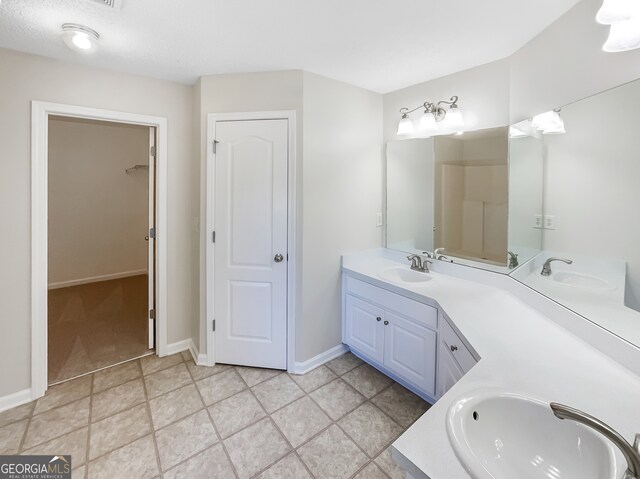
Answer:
(443, 117)
(79, 38)
(623, 16)
(549, 123)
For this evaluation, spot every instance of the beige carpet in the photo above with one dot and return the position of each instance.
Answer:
(95, 325)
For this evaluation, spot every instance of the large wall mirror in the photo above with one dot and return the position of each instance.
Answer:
(465, 194)
(591, 199)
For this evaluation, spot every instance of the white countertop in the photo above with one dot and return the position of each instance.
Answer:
(521, 351)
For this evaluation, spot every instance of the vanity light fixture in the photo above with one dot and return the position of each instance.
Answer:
(624, 18)
(442, 117)
(79, 38)
(549, 123)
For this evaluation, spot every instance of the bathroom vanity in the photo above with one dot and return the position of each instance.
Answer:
(474, 344)
(405, 336)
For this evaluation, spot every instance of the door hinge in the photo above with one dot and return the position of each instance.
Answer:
(152, 151)
(213, 236)
(152, 314)
(215, 146)
(214, 324)
(152, 233)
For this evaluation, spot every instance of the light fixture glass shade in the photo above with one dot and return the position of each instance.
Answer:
(405, 127)
(427, 123)
(453, 119)
(549, 123)
(515, 132)
(79, 38)
(616, 11)
(623, 36)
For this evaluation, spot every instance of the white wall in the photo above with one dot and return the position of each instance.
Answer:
(410, 202)
(566, 63)
(25, 78)
(237, 93)
(339, 173)
(342, 175)
(98, 214)
(483, 90)
(592, 182)
(525, 195)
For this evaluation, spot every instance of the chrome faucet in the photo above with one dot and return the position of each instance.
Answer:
(437, 253)
(513, 260)
(419, 264)
(546, 267)
(630, 453)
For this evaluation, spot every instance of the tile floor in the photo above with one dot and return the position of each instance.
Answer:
(166, 417)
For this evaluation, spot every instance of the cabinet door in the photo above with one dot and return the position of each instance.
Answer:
(410, 351)
(449, 372)
(365, 330)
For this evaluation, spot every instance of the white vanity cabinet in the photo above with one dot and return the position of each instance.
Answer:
(396, 334)
(454, 359)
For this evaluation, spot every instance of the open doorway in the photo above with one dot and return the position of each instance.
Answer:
(101, 255)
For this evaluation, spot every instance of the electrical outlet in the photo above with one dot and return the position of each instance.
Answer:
(537, 221)
(195, 224)
(378, 219)
(549, 222)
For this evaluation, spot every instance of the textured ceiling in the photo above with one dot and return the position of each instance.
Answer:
(381, 45)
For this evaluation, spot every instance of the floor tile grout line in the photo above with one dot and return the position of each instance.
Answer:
(26, 430)
(150, 418)
(213, 423)
(88, 448)
(30, 414)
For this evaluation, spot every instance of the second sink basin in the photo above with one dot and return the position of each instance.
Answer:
(580, 280)
(499, 435)
(400, 274)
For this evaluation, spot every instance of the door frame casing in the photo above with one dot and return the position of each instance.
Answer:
(40, 112)
(207, 198)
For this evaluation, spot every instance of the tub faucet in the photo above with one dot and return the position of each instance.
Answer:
(513, 260)
(546, 267)
(630, 453)
(437, 253)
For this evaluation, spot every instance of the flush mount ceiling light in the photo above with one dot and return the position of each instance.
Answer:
(436, 119)
(79, 38)
(549, 123)
(624, 18)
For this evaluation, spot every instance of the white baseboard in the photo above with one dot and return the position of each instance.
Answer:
(316, 361)
(96, 279)
(187, 345)
(15, 399)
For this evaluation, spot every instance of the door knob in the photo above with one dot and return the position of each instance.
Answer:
(278, 258)
(378, 318)
(386, 323)
(453, 348)
(146, 238)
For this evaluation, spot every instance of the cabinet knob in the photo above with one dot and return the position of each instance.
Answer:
(453, 348)
(386, 322)
(378, 318)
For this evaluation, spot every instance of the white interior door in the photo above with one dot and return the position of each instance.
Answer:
(250, 250)
(152, 237)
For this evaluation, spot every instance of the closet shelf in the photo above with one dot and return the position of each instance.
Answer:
(136, 167)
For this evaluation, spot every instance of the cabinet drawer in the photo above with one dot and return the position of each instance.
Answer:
(456, 347)
(419, 312)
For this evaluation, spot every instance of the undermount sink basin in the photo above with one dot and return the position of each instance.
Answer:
(580, 280)
(498, 435)
(399, 274)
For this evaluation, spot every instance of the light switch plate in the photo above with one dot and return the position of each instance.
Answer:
(378, 219)
(549, 222)
(537, 221)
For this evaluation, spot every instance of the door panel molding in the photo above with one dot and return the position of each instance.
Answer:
(207, 246)
(40, 112)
